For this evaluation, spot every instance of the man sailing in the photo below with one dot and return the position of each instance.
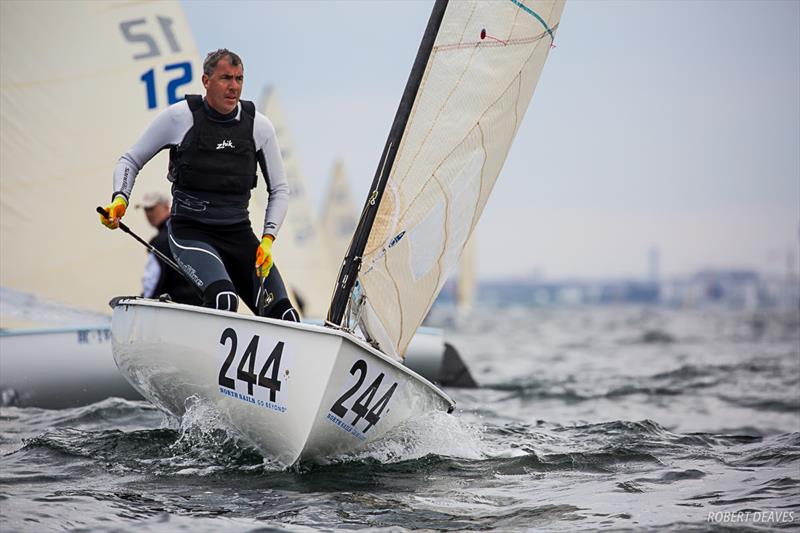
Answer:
(214, 145)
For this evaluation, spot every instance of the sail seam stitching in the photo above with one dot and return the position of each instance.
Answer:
(487, 44)
(441, 109)
(475, 215)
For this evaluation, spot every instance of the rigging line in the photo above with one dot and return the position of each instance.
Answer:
(485, 35)
(530, 11)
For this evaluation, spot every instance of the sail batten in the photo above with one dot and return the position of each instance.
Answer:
(300, 250)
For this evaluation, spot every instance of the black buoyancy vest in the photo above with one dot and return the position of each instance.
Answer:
(215, 156)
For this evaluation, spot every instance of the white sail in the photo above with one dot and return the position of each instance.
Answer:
(338, 219)
(477, 83)
(298, 250)
(79, 83)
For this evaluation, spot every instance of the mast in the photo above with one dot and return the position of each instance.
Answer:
(352, 260)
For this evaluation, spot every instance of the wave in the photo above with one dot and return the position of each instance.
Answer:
(778, 451)
(689, 379)
(162, 451)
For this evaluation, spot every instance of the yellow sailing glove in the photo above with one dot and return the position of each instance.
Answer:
(264, 256)
(115, 210)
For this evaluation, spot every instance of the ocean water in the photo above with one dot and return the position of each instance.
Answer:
(622, 418)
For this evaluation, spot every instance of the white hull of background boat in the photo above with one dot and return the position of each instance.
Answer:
(58, 368)
(295, 391)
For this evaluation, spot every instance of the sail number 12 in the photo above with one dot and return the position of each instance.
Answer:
(141, 33)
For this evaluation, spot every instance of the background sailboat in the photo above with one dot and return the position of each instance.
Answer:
(338, 217)
(64, 121)
(299, 250)
(65, 118)
(466, 283)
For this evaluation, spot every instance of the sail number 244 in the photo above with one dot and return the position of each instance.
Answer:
(267, 377)
(365, 407)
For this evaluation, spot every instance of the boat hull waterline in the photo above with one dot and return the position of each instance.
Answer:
(296, 392)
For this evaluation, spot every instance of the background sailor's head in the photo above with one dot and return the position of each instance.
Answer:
(156, 207)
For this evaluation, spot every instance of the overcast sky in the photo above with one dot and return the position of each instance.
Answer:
(667, 124)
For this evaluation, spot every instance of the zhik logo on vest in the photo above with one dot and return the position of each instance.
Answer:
(225, 144)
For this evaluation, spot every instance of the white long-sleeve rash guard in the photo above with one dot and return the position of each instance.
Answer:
(169, 128)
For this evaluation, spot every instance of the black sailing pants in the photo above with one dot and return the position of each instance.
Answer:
(219, 263)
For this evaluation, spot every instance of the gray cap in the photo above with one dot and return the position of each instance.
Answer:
(152, 199)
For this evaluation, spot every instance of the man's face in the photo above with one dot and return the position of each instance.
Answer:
(224, 86)
(157, 214)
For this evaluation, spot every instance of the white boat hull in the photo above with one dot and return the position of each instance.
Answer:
(62, 367)
(297, 392)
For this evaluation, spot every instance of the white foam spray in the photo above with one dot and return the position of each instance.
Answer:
(435, 433)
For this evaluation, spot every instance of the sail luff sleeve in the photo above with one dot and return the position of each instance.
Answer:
(352, 260)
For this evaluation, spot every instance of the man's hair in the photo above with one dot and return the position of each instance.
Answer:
(210, 63)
